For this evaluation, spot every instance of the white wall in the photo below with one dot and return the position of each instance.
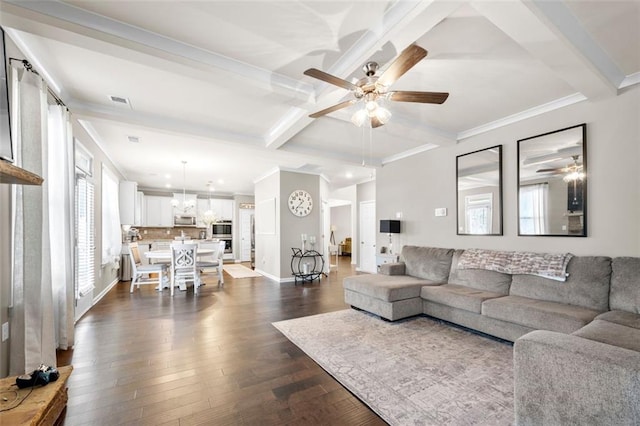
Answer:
(268, 245)
(427, 181)
(291, 226)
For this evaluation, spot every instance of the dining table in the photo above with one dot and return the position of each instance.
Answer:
(164, 255)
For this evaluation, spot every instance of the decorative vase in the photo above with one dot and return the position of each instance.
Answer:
(209, 232)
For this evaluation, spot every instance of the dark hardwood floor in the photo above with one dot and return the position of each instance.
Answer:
(215, 359)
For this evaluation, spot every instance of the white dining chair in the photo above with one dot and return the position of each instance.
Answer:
(184, 266)
(141, 274)
(214, 260)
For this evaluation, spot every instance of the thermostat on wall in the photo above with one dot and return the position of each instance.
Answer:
(441, 211)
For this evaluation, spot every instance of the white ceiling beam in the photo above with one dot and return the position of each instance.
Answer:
(567, 24)
(63, 22)
(525, 23)
(162, 123)
(404, 23)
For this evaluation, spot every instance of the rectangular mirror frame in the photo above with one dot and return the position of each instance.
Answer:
(566, 158)
(496, 207)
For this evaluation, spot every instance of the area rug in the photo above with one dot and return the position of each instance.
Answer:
(414, 372)
(240, 271)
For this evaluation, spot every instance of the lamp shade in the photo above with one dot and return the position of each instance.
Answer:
(390, 226)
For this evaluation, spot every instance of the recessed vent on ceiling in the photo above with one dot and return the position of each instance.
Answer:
(134, 139)
(309, 168)
(120, 101)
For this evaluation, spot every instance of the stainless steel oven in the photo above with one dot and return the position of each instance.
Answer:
(228, 244)
(223, 228)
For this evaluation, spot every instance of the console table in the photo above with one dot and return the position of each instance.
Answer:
(43, 406)
(307, 265)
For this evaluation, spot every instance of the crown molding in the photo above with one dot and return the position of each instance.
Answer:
(523, 115)
(408, 153)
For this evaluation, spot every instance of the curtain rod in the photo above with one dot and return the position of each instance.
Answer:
(27, 65)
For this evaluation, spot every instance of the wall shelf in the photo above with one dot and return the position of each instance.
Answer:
(15, 175)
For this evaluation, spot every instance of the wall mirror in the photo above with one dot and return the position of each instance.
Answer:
(479, 192)
(552, 183)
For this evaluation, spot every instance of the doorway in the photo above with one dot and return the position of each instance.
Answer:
(367, 236)
(246, 220)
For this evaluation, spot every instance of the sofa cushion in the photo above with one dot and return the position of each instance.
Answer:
(458, 296)
(482, 279)
(429, 263)
(385, 287)
(586, 286)
(611, 334)
(539, 314)
(625, 284)
(621, 317)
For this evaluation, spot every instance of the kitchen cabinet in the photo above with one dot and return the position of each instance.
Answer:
(128, 192)
(139, 218)
(159, 211)
(226, 211)
(202, 206)
(222, 208)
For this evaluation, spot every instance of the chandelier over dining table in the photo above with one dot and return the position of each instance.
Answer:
(184, 205)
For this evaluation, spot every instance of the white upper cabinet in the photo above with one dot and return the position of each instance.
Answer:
(159, 212)
(127, 199)
(226, 210)
(139, 218)
(202, 206)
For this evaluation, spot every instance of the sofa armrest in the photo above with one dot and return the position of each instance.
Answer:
(561, 379)
(392, 268)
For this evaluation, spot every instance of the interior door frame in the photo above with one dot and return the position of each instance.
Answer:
(361, 246)
(243, 237)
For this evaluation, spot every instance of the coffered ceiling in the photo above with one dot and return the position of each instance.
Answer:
(220, 84)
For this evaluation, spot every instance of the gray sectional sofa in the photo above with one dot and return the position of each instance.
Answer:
(577, 342)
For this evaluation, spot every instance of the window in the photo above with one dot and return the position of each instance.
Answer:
(533, 209)
(478, 213)
(85, 234)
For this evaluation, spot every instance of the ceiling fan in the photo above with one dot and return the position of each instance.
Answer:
(569, 169)
(371, 89)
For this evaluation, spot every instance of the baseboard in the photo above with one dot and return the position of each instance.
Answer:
(105, 291)
(274, 278)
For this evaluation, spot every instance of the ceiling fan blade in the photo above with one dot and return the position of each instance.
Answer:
(333, 108)
(560, 170)
(403, 63)
(375, 122)
(422, 97)
(321, 75)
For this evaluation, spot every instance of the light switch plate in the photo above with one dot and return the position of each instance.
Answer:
(5, 331)
(441, 211)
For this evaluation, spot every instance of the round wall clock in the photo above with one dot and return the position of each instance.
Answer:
(300, 203)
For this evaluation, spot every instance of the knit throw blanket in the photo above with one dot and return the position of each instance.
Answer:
(547, 265)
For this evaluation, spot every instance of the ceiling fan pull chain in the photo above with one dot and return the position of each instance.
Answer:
(362, 144)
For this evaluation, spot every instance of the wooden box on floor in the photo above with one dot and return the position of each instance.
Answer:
(43, 407)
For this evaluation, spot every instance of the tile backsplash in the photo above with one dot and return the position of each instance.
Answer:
(161, 233)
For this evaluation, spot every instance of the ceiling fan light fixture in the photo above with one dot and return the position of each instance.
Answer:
(358, 118)
(573, 176)
(383, 115)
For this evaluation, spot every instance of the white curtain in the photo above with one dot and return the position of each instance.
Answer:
(533, 209)
(111, 230)
(32, 319)
(60, 182)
